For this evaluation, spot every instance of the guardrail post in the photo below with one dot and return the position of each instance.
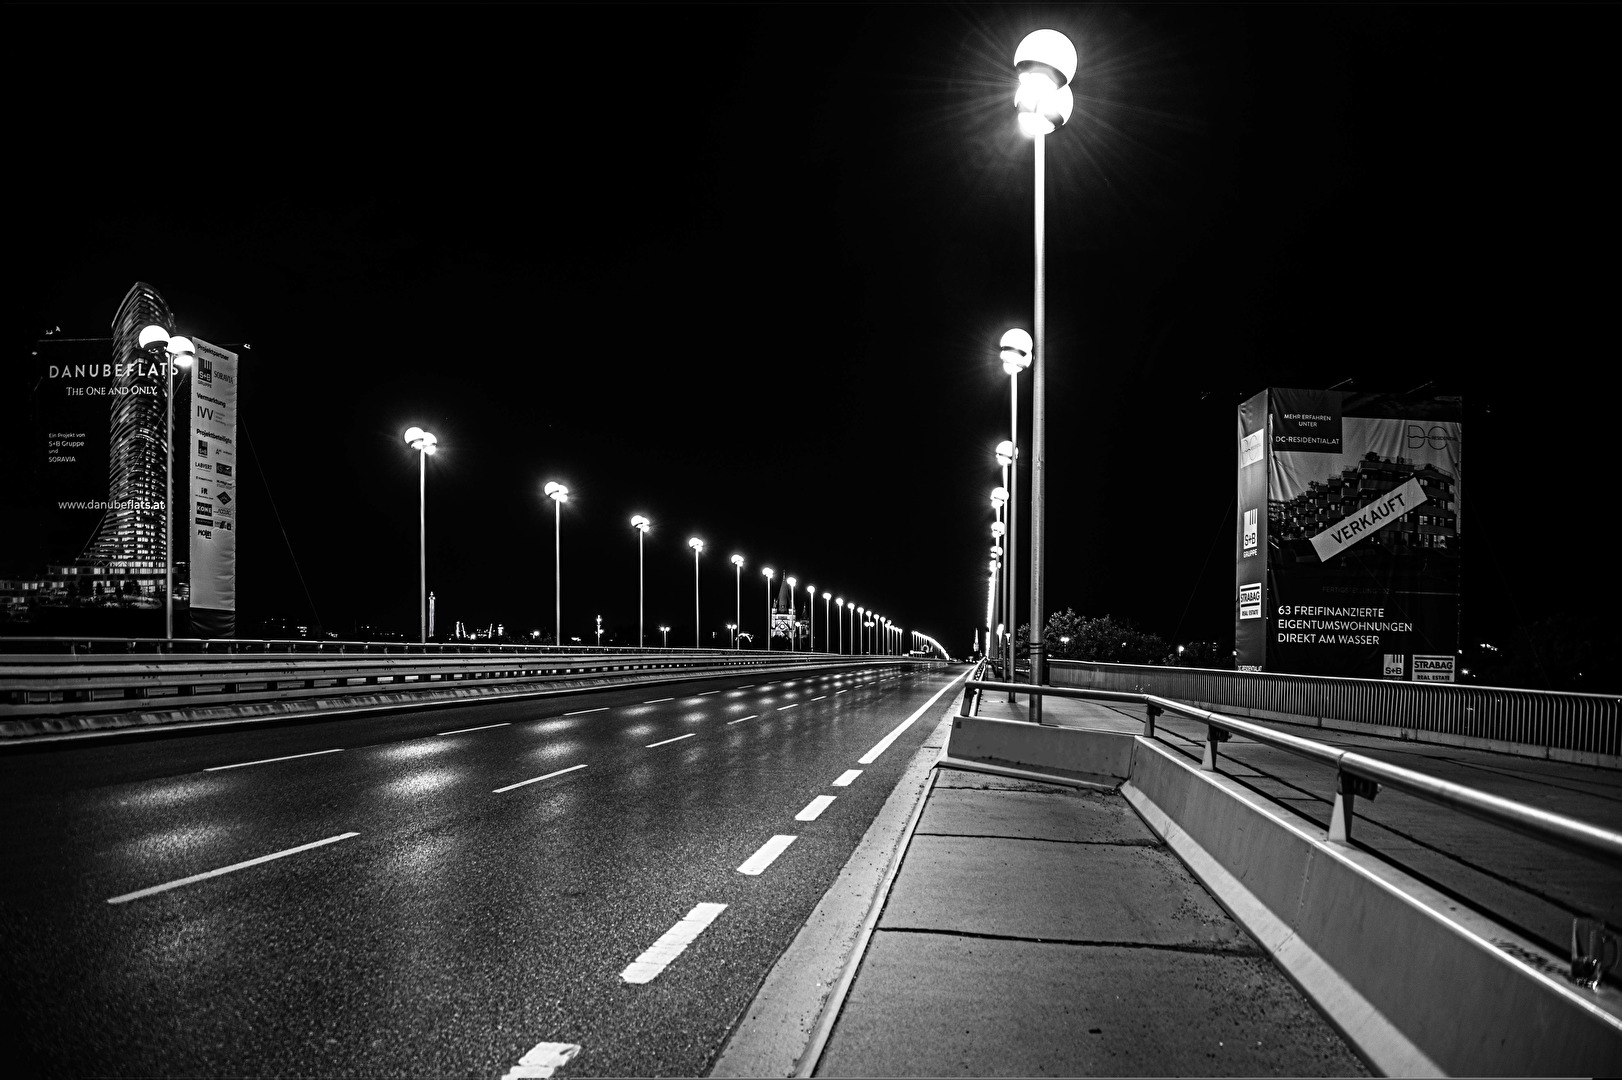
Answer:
(1150, 713)
(1213, 735)
(1347, 789)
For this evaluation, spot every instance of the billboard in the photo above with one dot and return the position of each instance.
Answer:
(1347, 549)
(212, 508)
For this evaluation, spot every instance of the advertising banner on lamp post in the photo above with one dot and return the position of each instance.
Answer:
(1347, 558)
(212, 509)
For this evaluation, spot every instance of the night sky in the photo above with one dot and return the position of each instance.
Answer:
(744, 270)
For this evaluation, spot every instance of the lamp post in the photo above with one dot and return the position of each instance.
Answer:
(768, 573)
(179, 352)
(559, 495)
(793, 620)
(840, 601)
(826, 596)
(665, 630)
(732, 631)
(811, 613)
(1045, 62)
(1006, 458)
(697, 545)
(861, 638)
(737, 595)
(424, 443)
(641, 525)
(1015, 353)
(599, 631)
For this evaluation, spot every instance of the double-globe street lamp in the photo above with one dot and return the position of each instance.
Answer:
(641, 525)
(559, 495)
(697, 545)
(1045, 63)
(178, 352)
(425, 444)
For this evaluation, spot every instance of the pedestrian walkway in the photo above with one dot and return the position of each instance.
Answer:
(1043, 929)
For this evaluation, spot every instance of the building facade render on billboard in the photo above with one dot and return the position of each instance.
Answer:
(1347, 554)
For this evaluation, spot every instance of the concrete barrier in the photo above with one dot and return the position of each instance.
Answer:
(1418, 983)
(1070, 752)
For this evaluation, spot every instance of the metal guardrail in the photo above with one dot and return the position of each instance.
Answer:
(1357, 774)
(1579, 723)
(58, 684)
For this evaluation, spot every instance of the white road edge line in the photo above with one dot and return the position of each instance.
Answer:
(884, 744)
(647, 967)
(815, 807)
(846, 777)
(768, 853)
(266, 761)
(582, 712)
(542, 1061)
(536, 779)
(678, 738)
(228, 869)
(741, 719)
(483, 727)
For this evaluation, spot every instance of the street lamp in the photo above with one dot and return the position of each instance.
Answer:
(599, 631)
(665, 630)
(559, 495)
(811, 613)
(697, 545)
(793, 622)
(768, 572)
(737, 594)
(826, 596)
(424, 443)
(861, 639)
(732, 631)
(1006, 457)
(1045, 62)
(840, 601)
(641, 525)
(176, 352)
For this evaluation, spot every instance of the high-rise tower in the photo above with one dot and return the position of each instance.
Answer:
(129, 541)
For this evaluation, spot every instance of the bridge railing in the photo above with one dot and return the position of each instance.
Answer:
(34, 685)
(1355, 774)
(1583, 727)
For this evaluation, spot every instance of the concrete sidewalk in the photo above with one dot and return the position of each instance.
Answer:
(1043, 929)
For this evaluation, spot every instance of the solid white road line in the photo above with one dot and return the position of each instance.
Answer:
(536, 779)
(647, 967)
(482, 727)
(884, 744)
(846, 777)
(228, 869)
(542, 1061)
(768, 853)
(741, 719)
(657, 700)
(582, 712)
(786, 708)
(815, 807)
(266, 761)
(678, 738)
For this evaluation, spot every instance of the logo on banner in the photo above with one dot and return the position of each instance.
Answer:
(205, 370)
(1250, 533)
(1250, 449)
(1433, 668)
(1393, 665)
(1369, 520)
(202, 448)
(1250, 601)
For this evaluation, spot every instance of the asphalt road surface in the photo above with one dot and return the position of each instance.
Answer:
(436, 892)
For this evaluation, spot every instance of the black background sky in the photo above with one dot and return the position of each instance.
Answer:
(744, 269)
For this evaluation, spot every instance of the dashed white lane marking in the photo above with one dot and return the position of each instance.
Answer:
(481, 727)
(768, 853)
(884, 744)
(542, 1060)
(707, 693)
(785, 708)
(678, 738)
(536, 779)
(838, 692)
(582, 712)
(227, 869)
(266, 761)
(815, 807)
(741, 719)
(657, 700)
(846, 777)
(819, 698)
(647, 967)
(745, 686)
